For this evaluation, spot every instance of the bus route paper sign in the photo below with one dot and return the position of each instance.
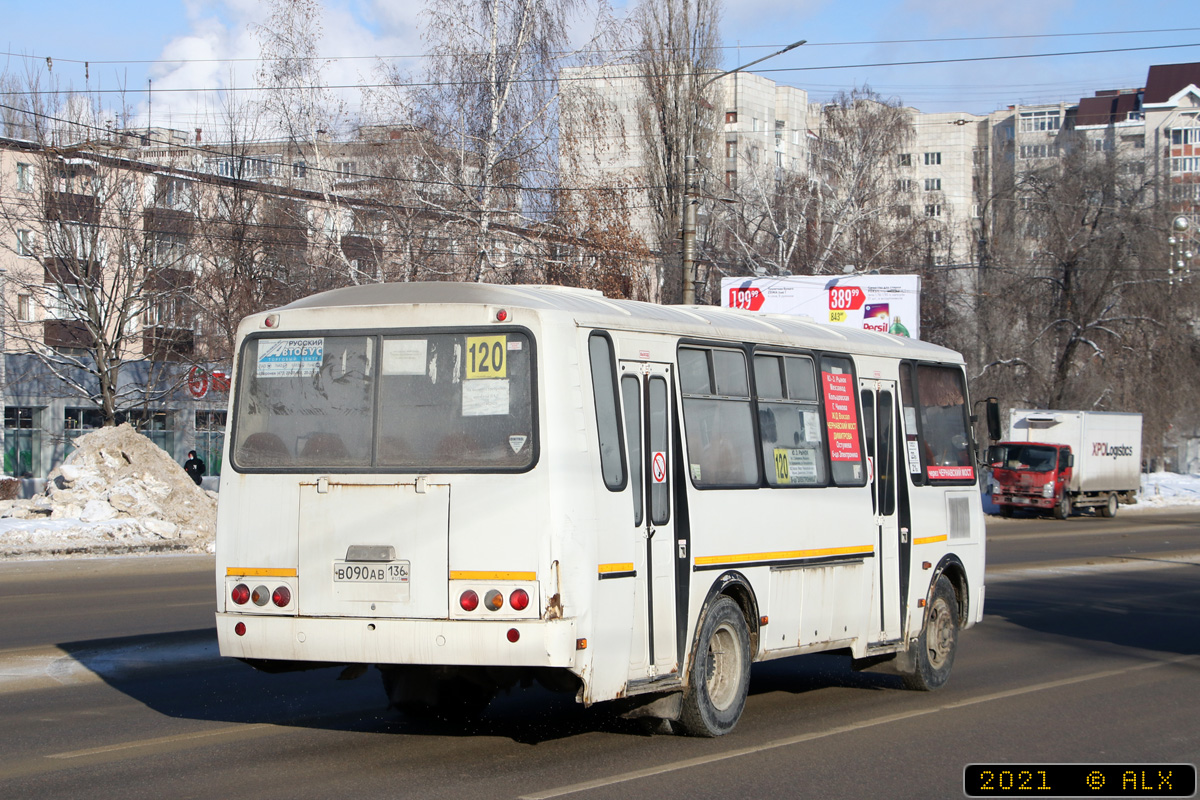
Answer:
(289, 358)
(841, 417)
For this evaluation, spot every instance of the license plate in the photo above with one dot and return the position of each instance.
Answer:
(353, 572)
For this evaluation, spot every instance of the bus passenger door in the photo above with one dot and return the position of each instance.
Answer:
(645, 397)
(879, 423)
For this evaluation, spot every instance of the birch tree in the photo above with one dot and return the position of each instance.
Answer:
(677, 54)
(488, 98)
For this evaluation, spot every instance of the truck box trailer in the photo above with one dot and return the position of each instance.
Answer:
(1059, 460)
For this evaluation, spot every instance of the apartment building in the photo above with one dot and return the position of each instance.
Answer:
(148, 268)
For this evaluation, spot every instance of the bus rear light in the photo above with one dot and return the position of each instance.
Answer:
(469, 600)
(519, 600)
(240, 629)
(501, 315)
(493, 600)
(513, 635)
(261, 595)
(281, 596)
(240, 594)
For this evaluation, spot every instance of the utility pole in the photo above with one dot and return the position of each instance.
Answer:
(691, 189)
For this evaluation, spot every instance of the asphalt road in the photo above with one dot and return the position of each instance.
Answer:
(1074, 662)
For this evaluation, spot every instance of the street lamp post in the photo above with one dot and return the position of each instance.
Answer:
(691, 191)
(1180, 267)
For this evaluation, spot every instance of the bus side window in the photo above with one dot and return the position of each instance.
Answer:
(789, 421)
(912, 431)
(631, 396)
(718, 423)
(942, 397)
(608, 428)
(841, 420)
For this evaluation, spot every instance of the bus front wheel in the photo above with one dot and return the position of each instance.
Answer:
(719, 677)
(930, 658)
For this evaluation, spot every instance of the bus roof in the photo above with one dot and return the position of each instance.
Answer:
(590, 308)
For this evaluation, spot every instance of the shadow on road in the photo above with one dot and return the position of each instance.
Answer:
(1148, 610)
(1151, 610)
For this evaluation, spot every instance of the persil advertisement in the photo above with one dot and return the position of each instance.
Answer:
(888, 303)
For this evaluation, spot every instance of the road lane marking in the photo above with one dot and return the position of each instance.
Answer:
(676, 766)
(240, 730)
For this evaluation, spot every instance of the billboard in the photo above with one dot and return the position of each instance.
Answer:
(888, 303)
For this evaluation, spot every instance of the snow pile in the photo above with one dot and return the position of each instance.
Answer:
(1160, 489)
(117, 492)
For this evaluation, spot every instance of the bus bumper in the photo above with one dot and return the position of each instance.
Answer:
(399, 641)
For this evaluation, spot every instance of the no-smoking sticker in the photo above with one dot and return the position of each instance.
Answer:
(658, 466)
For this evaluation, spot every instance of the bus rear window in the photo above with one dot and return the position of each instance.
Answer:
(429, 402)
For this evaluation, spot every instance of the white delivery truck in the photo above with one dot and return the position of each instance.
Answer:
(1059, 460)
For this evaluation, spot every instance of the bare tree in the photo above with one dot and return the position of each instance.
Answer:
(99, 286)
(488, 99)
(678, 52)
(863, 215)
(1080, 312)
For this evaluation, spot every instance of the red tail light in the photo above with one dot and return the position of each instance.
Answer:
(281, 596)
(519, 600)
(240, 629)
(469, 600)
(513, 635)
(240, 594)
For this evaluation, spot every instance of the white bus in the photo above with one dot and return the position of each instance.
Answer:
(471, 485)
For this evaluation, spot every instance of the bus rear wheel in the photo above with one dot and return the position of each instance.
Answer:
(719, 677)
(931, 657)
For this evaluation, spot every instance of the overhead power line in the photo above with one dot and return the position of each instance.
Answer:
(435, 84)
(614, 51)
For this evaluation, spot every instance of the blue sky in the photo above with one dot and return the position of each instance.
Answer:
(121, 39)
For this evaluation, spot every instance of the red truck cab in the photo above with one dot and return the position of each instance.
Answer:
(1031, 475)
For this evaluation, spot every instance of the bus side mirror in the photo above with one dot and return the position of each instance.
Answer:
(993, 419)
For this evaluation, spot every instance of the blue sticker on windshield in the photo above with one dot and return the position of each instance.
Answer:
(289, 358)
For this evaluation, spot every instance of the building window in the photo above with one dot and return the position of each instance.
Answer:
(731, 179)
(24, 242)
(1032, 121)
(730, 117)
(25, 307)
(1030, 151)
(24, 177)
(933, 210)
(904, 160)
(933, 184)
(731, 149)
(345, 168)
(933, 159)
(1185, 136)
(1191, 164)
(904, 185)
(975, 211)
(22, 442)
(933, 237)
(299, 169)
(210, 439)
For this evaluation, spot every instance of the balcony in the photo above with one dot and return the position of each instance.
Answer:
(67, 334)
(70, 207)
(168, 344)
